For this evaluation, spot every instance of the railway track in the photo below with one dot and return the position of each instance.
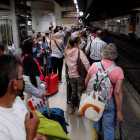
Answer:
(129, 61)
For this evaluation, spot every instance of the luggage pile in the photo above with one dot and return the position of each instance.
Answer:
(51, 86)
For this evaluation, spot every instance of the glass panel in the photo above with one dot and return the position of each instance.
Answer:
(5, 30)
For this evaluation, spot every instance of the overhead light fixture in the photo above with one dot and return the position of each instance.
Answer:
(76, 6)
(77, 10)
(81, 13)
(5, 16)
(87, 16)
(75, 1)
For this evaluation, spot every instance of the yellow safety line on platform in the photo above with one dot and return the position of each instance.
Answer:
(93, 130)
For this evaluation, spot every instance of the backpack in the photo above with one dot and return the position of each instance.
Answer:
(101, 82)
(56, 114)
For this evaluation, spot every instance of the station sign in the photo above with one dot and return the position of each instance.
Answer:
(72, 14)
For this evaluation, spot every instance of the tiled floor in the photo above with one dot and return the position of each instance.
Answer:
(79, 127)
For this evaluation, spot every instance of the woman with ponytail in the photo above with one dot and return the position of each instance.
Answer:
(77, 82)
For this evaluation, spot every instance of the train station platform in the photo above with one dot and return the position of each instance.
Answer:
(81, 128)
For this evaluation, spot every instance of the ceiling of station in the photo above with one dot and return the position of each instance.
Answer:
(98, 9)
(111, 8)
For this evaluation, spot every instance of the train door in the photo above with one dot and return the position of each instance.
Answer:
(132, 26)
(137, 33)
(5, 30)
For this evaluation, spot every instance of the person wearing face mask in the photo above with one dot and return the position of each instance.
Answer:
(56, 29)
(77, 82)
(41, 50)
(83, 41)
(30, 68)
(89, 34)
(16, 122)
(51, 31)
(46, 38)
(11, 47)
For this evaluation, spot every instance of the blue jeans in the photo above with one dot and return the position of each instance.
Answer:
(109, 122)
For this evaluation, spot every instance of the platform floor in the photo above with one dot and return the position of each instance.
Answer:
(80, 128)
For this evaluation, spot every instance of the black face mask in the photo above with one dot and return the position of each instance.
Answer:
(47, 33)
(21, 91)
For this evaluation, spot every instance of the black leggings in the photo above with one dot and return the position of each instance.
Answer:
(57, 64)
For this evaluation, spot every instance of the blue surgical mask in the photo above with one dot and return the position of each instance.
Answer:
(34, 50)
(87, 34)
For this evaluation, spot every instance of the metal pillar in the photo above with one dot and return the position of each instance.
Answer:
(26, 18)
(14, 24)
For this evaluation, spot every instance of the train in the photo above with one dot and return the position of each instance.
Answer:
(127, 26)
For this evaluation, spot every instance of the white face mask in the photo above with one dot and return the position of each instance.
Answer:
(40, 42)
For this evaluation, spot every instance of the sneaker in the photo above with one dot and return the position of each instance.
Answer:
(60, 82)
(71, 111)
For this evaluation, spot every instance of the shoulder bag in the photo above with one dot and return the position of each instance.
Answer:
(59, 49)
(80, 66)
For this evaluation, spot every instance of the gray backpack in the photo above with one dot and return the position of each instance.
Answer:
(100, 82)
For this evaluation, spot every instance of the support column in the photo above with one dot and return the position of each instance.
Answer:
(26, 18)
(14, 24)
(42, 15)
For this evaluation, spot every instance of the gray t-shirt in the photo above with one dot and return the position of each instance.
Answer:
(57, 53)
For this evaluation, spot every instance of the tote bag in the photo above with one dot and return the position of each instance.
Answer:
(91, 108)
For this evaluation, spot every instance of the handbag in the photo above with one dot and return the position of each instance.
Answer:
(41, 76)
(91, 108)
(59, 49)
(80, 66)
(37, 103)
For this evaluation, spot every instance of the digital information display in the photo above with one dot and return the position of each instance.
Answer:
(72, 14)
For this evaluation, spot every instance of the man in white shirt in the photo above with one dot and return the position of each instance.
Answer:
(95, 48)
(15, 122)
(89, 34)
(75, 33)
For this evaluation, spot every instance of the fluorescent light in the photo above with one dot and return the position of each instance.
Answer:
(77, 10)
(87, 16)
(75, 1)
(5, 16)
(76, 6)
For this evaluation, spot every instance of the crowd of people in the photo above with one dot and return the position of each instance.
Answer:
(19, 72)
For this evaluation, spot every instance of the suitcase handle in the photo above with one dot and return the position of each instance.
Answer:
(47, 105)
(45, 65)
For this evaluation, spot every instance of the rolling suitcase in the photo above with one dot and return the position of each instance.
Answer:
(51, 80)
(52, 83)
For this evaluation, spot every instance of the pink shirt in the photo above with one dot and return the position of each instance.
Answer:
(116, 74)
(71, 61)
